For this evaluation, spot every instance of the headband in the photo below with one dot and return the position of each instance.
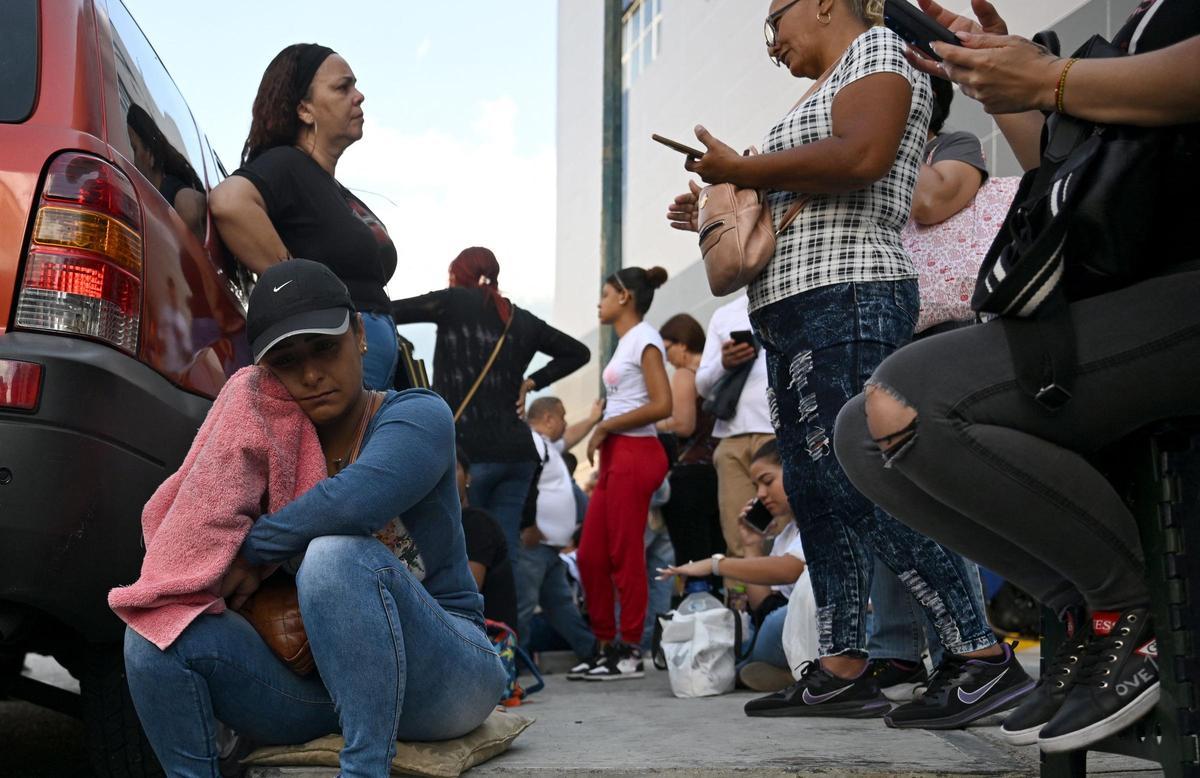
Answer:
(307, 63)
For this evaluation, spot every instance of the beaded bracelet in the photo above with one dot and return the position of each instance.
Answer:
(1061, 90)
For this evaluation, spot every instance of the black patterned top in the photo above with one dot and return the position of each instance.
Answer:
(468, 328)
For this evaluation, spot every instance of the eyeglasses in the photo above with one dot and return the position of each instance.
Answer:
(771, 28)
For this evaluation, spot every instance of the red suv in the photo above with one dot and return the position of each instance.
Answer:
(121, 316)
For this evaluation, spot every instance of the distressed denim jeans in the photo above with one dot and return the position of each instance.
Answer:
(822, 345)
(992, 473)
(392, 664)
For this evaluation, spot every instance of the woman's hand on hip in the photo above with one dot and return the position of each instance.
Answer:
(1005, 73)
(595, 441)
(720, 163)
(241, 581)
(684, 213)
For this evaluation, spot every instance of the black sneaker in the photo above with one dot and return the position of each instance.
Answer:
(1117, 683)
(1027, 719)
(898, 680)
(962, 690)
(580, 671)
(622, 662)
(820, 693)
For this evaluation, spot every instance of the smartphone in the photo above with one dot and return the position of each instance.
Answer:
(759, 517)
(911, 24)
(742, 336)
(677, 146)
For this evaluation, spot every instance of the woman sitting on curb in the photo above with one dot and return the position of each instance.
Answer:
(391, 611)
(770, 576)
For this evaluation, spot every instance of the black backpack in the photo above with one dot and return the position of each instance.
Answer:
(1093, 217)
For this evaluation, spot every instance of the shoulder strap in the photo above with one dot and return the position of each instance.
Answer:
(373, 403)
(486, 369)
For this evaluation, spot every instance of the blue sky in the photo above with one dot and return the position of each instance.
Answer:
(460, 106)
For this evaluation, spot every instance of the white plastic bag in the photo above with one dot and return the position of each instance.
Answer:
(699, 648)
(800, 624)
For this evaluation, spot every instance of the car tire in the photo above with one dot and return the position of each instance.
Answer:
(116, 745)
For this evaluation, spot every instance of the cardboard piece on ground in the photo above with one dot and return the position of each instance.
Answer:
(441, 759)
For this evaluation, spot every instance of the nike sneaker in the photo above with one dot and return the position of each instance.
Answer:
(962, 690)
(820, 693)
(1117, 683)
(898, 680)
(1027, 719)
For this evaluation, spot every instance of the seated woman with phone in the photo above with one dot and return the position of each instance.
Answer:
(769, 576)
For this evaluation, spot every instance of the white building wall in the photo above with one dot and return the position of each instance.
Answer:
(712, 69)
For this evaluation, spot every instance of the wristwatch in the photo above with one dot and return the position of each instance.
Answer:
(716, 563)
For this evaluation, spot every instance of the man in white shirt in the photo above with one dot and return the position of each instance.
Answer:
(540, 572)
(750, 427)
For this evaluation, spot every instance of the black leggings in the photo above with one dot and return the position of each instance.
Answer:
(693, 515)
(995, 476)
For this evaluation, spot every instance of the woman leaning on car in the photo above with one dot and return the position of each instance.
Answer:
(284, 200)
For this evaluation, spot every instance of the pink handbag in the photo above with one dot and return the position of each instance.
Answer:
(947, 255)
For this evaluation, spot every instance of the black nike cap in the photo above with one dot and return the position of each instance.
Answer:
(296, 297)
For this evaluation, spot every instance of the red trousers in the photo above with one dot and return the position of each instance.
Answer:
(612, 551)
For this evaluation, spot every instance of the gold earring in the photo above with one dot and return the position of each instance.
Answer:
(828, 17)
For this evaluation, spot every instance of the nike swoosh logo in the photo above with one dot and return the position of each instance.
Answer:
(970, 698)
(817, 699)
(285, 283)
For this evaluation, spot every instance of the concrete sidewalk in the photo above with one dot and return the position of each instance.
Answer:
(637, 728)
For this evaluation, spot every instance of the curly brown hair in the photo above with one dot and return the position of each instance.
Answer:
(274, 120)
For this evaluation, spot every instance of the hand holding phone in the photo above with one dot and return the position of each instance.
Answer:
(742, 336)
(677, 146)
(917, 29)
(759, 517)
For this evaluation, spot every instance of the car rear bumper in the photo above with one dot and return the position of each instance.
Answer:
(108, 430)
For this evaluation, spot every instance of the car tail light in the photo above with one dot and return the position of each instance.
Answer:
(83, 269)
(20, 384)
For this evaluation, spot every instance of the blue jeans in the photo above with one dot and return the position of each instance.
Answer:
(822, 345)
(392, 664)
(766, 643)
(542, 580)
(900, 629)
(500, 488)
(379, 363)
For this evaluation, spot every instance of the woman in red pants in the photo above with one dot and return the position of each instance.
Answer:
(632, 465)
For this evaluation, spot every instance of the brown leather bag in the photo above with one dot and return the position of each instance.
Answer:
(274, 608)
(737, 234)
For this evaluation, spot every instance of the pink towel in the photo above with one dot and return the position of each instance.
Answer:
(255, 442)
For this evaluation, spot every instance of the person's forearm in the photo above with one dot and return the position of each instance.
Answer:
(252, 238)
(1155, 89)
(567, 355)
(578, 431)
(1023, 131)
(649, 413)
(828, 166)
(765, 571)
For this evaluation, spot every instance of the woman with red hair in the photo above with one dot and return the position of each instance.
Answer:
(485, 344)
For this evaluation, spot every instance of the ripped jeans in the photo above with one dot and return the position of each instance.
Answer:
(993, 474)
(821, 346)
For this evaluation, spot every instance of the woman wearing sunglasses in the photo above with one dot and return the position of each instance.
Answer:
(838, 296)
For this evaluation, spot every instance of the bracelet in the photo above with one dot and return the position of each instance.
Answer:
(1061, 90)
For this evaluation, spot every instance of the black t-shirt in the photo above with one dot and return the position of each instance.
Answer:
(486, 546)
(319, 219)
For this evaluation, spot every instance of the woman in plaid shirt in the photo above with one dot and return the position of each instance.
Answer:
(839, 295)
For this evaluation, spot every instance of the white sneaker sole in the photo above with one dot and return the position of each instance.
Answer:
(1020, 737)
(1080, 738)
(618, 677)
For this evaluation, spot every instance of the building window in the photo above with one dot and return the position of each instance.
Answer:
(641, 38)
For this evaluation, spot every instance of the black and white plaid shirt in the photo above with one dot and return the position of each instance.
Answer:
(851, 237)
